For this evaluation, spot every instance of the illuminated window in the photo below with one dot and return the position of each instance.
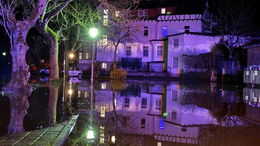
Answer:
(102, 134)
(145, 51)
(79, 93)
(159, 51)
(105, 20)
(163, 10)
(104, 65)
(117, 13)
(159, 143)
(102, 111)
(87, 55)
(104, 40)
(146, 31)
(176, 43)
(103, 85)
(105, 11)
(86, 94)
(128, 51)
(80, 55)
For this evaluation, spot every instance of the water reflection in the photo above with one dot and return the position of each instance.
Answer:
(159, 113)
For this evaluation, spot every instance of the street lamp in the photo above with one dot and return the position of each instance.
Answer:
(71, 55)
(4, 53)
(93, 32)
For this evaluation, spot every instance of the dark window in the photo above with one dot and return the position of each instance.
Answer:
(145, 51)
(176, 43)
(142, 123)
(127, 102)
(144, 102)
(174, 95)
(159, 51)
(175, 62)
(174, 115)
(187, 28)
(128, 51)
(158, 105)
(146, 31)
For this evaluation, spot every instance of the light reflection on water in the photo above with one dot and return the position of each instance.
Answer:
(159, 113)
(143, 112)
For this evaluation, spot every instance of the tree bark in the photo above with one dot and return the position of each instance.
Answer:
(52, 105)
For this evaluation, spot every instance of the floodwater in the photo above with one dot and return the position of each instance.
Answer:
(140, 113)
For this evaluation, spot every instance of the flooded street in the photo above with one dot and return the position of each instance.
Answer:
(134, 112)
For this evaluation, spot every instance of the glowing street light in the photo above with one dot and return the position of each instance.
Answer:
(71, 55)
(70, 91)
(93, 32)
(4, 53)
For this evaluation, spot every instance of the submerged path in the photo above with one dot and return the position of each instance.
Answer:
(51, 136)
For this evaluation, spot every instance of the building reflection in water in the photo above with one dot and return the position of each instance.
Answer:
(155, 113)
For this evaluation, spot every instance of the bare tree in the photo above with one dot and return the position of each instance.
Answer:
(117, 18)
(17, 17)
(233, 22)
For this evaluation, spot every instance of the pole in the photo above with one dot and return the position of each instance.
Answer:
(92, 77)
(64, 76)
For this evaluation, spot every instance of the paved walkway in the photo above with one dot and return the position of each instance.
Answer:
(51, 136)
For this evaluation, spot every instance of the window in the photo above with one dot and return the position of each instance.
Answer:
(105, 20)
(104, 65)
(175, 62)
(158, 105)
(144, 103)
(128, 51)
(79, 93)
(146, 31)
(104, 40)
(86, 94)
(163, 10)
(164, 31)
(80, 55)
(142, 13)
(159, 51)
(142, 123)
(174, 95)
(103, 85)
(176, 43)
(187, 28)
(105, 11)
(145, 51)
(117, 13)
(102, 111)
(127, 102)
(174, 115)
(87, 55)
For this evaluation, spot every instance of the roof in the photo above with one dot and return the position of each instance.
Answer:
(182, 6)
(253, 43)
(193, 33)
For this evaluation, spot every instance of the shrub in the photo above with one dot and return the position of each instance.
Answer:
(118, 74)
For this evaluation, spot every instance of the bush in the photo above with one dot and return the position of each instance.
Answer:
(118, 74)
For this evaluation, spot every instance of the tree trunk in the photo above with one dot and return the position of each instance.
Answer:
(54, 52)
(20, 74)
(52, 105)
(114, 60)
(19, 105)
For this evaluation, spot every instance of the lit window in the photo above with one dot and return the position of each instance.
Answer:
(128, 51)
(87, 56)
(164, 31)
(145, 51)
(104, 65)
(86, 94)
(105, 20)
(79, 93)
(105, 11)
(104, 40)
(146, 31)
(103, 85)
(142, 123)
(159, 143)
(159, 51)
(117, 13)
(163, 10)
(176, 43)
(80, 55)
(102, 111)
(187, 28)
(102, 134)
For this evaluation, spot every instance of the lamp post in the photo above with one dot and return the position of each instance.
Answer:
(93, 32)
